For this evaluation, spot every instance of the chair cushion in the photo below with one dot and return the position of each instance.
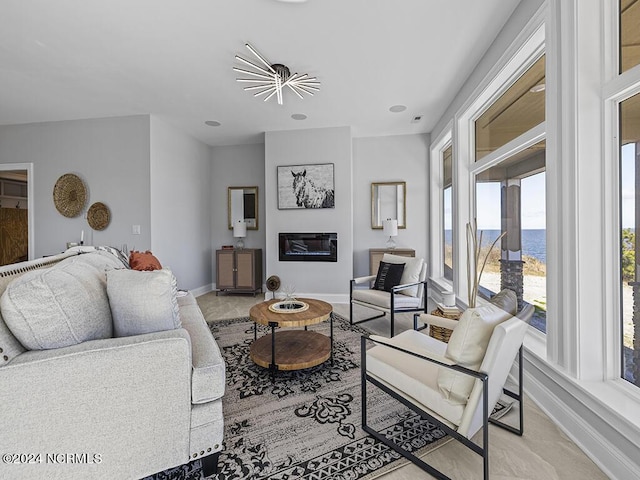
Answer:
(411, 273)
(467, 347)
(142, 302)
(414, 378)
(389, 275)
(59, 306)
(382, 299)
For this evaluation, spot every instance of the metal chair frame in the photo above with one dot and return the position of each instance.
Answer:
(483, 450)
(393, 310)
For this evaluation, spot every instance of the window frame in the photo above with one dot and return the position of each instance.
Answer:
(437, 279)
(521, 56)
(618, 88)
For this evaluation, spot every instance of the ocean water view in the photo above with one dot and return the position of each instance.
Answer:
(533, 241)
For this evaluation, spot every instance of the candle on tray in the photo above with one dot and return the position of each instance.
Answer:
(82, 237)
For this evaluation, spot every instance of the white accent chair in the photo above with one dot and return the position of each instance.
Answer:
(455, 385)
(409, 296)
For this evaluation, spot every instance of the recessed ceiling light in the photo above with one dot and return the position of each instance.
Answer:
(212, 123)
(538, 88)
(397, 108)
(299, 116)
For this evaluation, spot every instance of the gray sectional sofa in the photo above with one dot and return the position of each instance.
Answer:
(77, 401)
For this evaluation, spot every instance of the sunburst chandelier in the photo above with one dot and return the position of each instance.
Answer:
(273, 78)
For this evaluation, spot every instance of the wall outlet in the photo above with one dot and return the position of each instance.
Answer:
(135, 229)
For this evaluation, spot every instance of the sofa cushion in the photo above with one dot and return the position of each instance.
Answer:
(119, 254)
(144, 261)
(466, 347)
(389, 275)
(208, 378)
(411, 273)
(142, 302)
(59, 306)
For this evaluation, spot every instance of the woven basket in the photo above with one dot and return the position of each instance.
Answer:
(441, 333)
(69, 195)
(98, 216)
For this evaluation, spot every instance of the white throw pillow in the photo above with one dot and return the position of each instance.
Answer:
(142, 301)
(59, 306)
(411, 273)
(467, 346)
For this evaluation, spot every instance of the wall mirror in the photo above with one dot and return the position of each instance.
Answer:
(388, 200)
(243, 205)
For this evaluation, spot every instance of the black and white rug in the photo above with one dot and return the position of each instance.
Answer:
(306, 425)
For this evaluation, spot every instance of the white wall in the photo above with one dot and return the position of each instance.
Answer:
(236, 166)
(402, 158)
(325, 280)
(180, 192)
(111, 155)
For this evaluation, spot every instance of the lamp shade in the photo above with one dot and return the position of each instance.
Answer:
(390, 227)
(240, 229)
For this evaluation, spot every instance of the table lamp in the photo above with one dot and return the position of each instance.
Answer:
(239, 232)
(390, 227)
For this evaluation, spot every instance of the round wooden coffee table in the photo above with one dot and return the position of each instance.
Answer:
(291, 349)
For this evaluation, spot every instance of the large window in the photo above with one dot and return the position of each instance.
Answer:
(510, 195)
(519, 109)
(629, 34)
(447, 211)
(629, 221)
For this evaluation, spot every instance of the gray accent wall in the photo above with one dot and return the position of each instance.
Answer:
(325, 280)
(111, 155)
(236, 166)
(401, 158)
(180, 192)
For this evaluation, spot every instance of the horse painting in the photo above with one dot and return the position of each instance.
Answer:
(308, 194)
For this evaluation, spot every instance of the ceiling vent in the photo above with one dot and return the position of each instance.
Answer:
(416, 119)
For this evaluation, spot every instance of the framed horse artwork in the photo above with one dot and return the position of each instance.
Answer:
(306, 186)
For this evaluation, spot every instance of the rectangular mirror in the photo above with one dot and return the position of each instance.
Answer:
(388, 200)
(243, 205)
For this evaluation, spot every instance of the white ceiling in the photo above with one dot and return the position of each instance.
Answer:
(75, 59)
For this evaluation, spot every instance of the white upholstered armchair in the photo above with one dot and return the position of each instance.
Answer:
(407, 295)
(455, 385)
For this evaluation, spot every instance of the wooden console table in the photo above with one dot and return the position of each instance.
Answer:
(376, 254)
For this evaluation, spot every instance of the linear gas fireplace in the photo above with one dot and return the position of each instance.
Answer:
(308, 247)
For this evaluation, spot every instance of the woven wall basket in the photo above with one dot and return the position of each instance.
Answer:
(69, 195)
(98, 216)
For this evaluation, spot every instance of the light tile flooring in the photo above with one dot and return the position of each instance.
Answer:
(543, 452)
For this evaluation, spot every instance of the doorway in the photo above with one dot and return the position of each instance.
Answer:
(16, 213)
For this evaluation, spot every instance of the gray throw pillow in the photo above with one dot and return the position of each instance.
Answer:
(389, 275)
(59, 306)
(506, 300)
(142, 301)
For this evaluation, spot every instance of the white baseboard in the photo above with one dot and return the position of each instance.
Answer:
(202, 290)
(614, 453)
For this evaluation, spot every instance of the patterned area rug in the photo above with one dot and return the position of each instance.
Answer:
(306, 424)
